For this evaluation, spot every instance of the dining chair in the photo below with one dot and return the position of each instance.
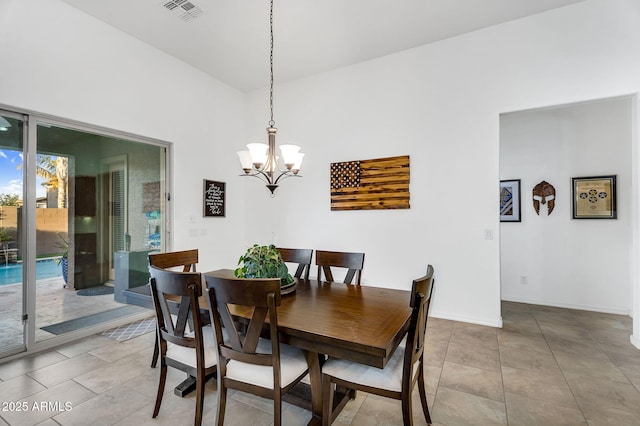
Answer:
(352, 261)
(249, 363)
(191, 351)
(300, 256)
(405, 367)
(185, 259)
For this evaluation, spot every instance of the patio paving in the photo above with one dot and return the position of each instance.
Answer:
(54, 304)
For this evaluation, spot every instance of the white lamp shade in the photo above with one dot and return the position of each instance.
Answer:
(245, 159)
(258, 152)
(298, 161)
(289, 153)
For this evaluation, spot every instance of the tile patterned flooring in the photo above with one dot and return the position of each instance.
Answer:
(54, 304)
(546, 366)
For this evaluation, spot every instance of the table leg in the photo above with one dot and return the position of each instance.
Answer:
(315, 378)
(188, 385)
(314, 362)
(185, 387)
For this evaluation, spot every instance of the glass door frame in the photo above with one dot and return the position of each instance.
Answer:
(27, 241)
(22, 243)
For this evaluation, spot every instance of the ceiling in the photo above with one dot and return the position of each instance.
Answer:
(229, 39)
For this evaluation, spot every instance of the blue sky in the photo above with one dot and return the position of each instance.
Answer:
(11, 176)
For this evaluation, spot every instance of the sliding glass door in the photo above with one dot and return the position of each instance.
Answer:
(84, 199)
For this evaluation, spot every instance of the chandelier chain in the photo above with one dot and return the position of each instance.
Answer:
(271, 122)
(261, 160)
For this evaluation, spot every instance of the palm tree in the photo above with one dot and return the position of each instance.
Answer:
(56, 171)
(62, 175)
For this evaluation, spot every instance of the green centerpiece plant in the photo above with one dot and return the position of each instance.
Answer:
(263, 262)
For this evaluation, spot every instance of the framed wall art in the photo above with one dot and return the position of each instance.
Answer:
(594, 197)
(381, 183)
(510, 200)
(213, 198)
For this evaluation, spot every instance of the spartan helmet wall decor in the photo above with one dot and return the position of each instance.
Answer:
(544, 192)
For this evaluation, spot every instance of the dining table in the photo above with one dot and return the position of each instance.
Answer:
(360, 323)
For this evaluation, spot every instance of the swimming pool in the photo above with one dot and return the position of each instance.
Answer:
(45, 268)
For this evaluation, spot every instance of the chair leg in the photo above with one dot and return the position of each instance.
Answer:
(222, 402)
(423, 396)
(407, 417)
(200, 381)
(277, 408)
(156, 353)
(327, 400)
(163, 379)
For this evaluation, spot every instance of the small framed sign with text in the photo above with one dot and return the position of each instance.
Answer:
(213, 198)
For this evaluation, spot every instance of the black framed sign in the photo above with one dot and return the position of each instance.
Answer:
(214, 198)
(510, 200)
(594, 197)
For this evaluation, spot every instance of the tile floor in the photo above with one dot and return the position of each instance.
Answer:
(54, 304)
(546, 366)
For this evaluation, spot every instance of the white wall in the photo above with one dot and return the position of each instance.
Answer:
(59, 61)
(583, 264)
(440, 104)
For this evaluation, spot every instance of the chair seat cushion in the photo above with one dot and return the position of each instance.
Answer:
(188, 355)
(389, 377)
(292, 365)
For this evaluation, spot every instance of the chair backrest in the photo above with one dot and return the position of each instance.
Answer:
(421, 291)
(300, 256)
(171, 291)
(352, 261)
(187, 259)
(263, 295)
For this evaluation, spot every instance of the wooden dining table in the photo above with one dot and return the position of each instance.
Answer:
(359, 323)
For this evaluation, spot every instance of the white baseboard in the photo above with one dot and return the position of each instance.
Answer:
(454, 317)
(635, 341)
(603, 309)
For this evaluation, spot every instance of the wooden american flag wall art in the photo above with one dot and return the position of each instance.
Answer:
(382, 183)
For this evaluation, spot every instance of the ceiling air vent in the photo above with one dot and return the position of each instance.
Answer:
(185, 9)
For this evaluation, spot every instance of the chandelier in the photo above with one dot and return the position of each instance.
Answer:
(260, 160)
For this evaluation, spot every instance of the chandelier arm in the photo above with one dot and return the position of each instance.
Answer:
(281, 170)
(264, 176)
(285, 175)
(280, 176)
(259, 175)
